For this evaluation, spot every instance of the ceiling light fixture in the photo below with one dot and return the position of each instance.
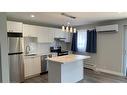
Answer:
(32, 15)
(68, 28)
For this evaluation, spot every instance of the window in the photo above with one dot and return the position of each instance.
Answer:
(82, 40)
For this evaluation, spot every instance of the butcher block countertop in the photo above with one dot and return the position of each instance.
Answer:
(68, 58)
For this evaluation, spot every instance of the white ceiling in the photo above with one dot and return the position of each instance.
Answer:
(55, 18)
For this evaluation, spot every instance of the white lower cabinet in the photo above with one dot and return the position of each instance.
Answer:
(32, 66)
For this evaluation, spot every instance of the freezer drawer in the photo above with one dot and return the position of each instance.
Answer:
(16, 68)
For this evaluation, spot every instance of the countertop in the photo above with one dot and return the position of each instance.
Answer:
(68, 58)
(39, 55)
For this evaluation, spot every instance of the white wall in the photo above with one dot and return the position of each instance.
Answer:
(109, 56)
(4, 49)
(109, 52)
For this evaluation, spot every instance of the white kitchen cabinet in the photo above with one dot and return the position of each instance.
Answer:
(30, 30)
(58, 33)
(67, 36)
(13, 26)
(45, 35)
(36, 66)
(28, 67)
(51, 34)
(32, 66)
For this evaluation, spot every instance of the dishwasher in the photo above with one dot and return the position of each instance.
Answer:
(44, 64)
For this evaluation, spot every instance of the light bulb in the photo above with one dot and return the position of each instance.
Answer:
(63, 28)
(67, 29)
(74, 30)
(71, 30)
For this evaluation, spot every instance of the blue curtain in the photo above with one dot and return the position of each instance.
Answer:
(74, 42)
(91, 41)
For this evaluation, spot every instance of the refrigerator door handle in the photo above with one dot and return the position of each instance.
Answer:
(15, 53)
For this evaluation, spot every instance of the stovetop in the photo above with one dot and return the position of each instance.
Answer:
(58, 51)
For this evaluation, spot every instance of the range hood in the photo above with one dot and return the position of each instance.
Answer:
(59, 39)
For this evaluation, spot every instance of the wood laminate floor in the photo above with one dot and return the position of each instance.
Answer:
(90, 76)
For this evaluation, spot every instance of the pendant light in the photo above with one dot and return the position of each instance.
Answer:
(68, 28)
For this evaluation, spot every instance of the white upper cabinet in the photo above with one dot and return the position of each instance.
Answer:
(13, 26)
(45, 35)
(30, 30)
(58, 33)
(67, 37)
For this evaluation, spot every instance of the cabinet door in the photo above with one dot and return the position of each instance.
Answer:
(14, 26)
(36, 66)
(45, 35)
(51, 35)
(42, 35)
(67, 36)
(28, 66)
(30, 30)
(32, 66)
(59, 34)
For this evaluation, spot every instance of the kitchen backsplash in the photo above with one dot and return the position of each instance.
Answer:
(64, 46)
(44, 48)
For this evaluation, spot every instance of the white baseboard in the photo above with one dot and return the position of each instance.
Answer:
(110, 72)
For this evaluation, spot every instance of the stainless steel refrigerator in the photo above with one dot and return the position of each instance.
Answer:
(15, 57)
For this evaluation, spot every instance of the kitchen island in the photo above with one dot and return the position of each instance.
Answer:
(66, 69)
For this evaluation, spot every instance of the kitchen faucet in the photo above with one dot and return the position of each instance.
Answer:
(27, 49)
